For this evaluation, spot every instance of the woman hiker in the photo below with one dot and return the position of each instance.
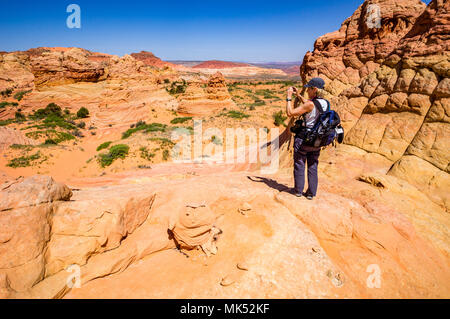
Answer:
(304, 153)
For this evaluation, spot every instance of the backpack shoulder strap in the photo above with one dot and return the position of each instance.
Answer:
(318, 106)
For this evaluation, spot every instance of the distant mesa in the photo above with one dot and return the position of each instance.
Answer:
(150, 59)
(216, 64)
(292, 70)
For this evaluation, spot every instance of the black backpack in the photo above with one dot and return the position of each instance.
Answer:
(326, 129)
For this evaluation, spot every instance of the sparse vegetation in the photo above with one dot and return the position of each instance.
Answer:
(164, 142)
(51, 109)
(57, 136)
(259, 103)
(5, 104)
(82, 113)
(236, 114)
(266, 93)
(81, 125)
(6, 92)
(179, 120)
(24, 161)
(77, 133)
(279, 118)
(53, 120)
(19, 116)
(145, 154)
(142, 126)
(165, 155)
(177, 87)
(19, 95)
(115, 152)
(21, 147)
(50, 141)
(7, 122)
(189, 128)
(103, 146)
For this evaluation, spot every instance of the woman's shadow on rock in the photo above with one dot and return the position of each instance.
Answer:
(270, 182)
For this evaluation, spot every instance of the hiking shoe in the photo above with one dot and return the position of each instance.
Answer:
(308, 196)
(294, 192)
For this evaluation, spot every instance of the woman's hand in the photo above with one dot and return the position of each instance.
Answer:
(299, 96)
(291, 91)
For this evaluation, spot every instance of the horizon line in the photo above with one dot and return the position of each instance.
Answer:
(166, 60)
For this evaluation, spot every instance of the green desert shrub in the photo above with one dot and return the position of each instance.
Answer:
(82, 113)
(24, 161)
(53, 119)
(7, 122)
(164, 142)
(21, 147)
(165, 155)
(259, 103)
(177, 87)
(4, 104)
(6, 92)
(115, 152)
(19, 95)
(19, 116)
(145, 154)
(103, 146)
(76, 132)
(57, 136)
(81, 125)
(51, 109)
(279, 118)
(50, 141)
(236, 115)
(142, 126)
(179, 120)
(266, 93)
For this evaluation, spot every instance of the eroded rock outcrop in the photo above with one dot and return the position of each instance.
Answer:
(102, 233)
(9, 136)
(199, 100)
(150, 59)
(15, 72)
(64, 67)
(390, 85)
(75, 78)
(26, 206)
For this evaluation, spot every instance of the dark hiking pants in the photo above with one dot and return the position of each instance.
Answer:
(309, 155)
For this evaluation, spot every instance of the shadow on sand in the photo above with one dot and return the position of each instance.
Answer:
(270, 182)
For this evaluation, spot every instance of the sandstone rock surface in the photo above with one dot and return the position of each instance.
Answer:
(390, 84)
(199, 100)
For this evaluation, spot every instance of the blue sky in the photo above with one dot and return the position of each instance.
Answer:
(253, 31)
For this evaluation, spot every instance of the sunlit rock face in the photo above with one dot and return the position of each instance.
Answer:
(391, 87)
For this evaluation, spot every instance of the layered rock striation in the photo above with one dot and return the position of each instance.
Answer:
(390, 84)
